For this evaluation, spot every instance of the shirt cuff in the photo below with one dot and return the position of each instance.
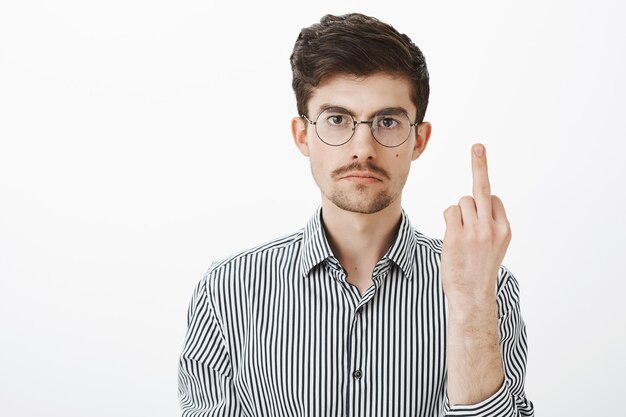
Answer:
(500, 404)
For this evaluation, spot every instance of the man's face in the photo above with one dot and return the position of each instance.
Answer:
(362, 175)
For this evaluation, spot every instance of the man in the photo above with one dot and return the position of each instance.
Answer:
(358, 313)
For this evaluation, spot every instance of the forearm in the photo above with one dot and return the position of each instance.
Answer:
(483, 310)
(474, 359)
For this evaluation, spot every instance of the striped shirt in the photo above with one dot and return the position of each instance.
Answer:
(277, 330)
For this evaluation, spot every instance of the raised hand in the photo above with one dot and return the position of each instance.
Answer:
(477, 236)
(476, 239)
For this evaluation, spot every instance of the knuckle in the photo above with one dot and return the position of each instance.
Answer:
(507, 232)
(452, 213)
(466, 199)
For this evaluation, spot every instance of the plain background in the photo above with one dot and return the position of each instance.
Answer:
(140, 140)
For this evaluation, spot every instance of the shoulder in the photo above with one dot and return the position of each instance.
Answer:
(289, 243)
(426, 242)
(508, 291)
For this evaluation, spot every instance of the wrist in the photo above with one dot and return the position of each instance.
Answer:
(464, 310)
(474, 301)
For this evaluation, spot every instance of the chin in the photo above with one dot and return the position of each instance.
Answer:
(356, 205)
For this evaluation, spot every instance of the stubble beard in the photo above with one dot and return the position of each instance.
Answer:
(359, 201)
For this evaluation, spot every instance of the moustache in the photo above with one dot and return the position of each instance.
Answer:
(369, 166)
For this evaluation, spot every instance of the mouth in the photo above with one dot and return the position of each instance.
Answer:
(361, 177)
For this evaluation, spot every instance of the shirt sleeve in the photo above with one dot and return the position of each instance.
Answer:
(509, 400)
(205, 386)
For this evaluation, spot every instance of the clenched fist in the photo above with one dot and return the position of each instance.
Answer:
(476, 239)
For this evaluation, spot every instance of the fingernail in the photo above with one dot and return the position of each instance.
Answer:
(479, 150)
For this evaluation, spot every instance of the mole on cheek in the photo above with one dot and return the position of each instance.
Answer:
(396, 155)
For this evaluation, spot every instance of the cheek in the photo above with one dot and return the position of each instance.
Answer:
(318, 165)
(324, 158)
(401, 154)
(401, 163)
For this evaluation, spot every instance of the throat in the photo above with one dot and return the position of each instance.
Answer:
(360, 278)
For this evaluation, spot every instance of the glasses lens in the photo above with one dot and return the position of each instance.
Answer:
(334, 126)
(391, 127)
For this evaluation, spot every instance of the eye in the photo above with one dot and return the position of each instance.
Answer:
(338, 120)
(387, 122)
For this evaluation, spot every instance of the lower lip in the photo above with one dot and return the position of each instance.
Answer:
(362, 180)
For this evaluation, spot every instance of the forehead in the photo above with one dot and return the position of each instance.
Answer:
(363, 95)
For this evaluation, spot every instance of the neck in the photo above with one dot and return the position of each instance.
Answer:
(360, 240)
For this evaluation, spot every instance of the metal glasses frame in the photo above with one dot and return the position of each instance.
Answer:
(357, 122)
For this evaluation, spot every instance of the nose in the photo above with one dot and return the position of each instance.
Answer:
(363, 145)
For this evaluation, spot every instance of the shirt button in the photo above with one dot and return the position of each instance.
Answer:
(357, 374)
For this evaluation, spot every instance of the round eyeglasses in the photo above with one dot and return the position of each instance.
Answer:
(336, 126)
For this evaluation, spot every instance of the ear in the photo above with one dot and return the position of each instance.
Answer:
(421, 139)
(298, 131)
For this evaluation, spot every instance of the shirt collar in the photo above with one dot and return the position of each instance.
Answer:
(315, 247)
(402, 250)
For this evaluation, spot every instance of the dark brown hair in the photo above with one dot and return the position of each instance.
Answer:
(358, 45)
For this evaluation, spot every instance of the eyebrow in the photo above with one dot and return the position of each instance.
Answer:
(384, 111)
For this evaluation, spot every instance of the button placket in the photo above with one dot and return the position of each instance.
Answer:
(356, 344)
